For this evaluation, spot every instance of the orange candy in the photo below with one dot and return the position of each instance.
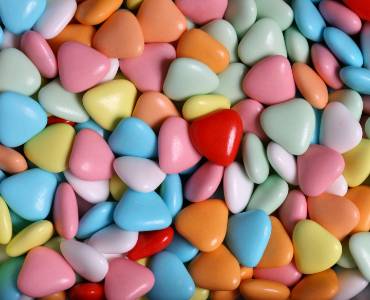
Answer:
(260, 289)
(319, 286)
(199, 45)
(12, 161)
(204, 224)
(311, 86)
(336, 214)
(161, 21)
(245, 273)
(216, 270)
(120, 36)
(56, 296)
(94, 12)
(360, 196)
(279, 250)
(74, 32)
(154, 108)
(225, 295)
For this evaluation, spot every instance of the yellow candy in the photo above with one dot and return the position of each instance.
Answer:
(357, 163)
(200, 294)
(34, 235)
(51, 148)
(5, 223)
(110, 102)
(144, 261)
(134, 4)
(201, 105)
(117, 187)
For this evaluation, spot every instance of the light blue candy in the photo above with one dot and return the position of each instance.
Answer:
(356, 78)
(309, 20)
(30, 193)
(1, 36)
(343, 47)
(247, 236)
(172, 280)
(2, 176)
(9, 272)
(133, 137)
(171, 193)
(19, 16)
(182, 248)
(21, 118)
(316, 133)
(98, 217)
(18, 222)
(142, 212)
(94, 126)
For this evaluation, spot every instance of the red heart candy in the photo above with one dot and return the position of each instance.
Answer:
(217, 136)
(151, 242)
(360, 8)
(54, 120)
(87, 291)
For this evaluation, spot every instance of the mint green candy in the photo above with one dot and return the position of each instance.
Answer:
(350, 99)
(191, 24)
(255, 158)
(269, 195)
(297, 45)
(231, 82)
(188, 77)
(224, 32)
(17, 73)
(241, 14)
(346, 260)
(290, 124)
(367, 127)
(264, 39)
(9, 272)
(277, 10)
(359, 245)
(62, 103)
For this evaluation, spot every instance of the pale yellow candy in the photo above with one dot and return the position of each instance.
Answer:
(200, 294)
(51, 148)
(110, 102)
(144, 261)
(201, 105)
(134, 4)
(5, 223)
(117, 187)
(357, 163)
(34, 235)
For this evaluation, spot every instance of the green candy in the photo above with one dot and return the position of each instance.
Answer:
(277, 10)
(62, 103)
(297, 45)
(346, 260)
(17, 73)
(255, 158)
(9, 272)
(231, 82)
(269, 195)
(264, 39)
(359, 245)
(290, 124)
(350, 99)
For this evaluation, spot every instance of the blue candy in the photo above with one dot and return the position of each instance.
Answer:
(30, 193)
(98, 217)
(316, 133)
(357, 79)
(18, 222)
(9, 272)
(172, 280)
(343, 47)
(21, 118)
(365, 44)
(308, 19)
(1, 36)
(2, 176)
(94, 126)
(171, 193)
(133, 137)
(142, 212)
(182, 248)
(247, 236)
(19, 16)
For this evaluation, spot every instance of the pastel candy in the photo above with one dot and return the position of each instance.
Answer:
(9, 272)
(356, 78)
(259, 288)
(296, 45)
(5, 223)
(182, 248)
(351, 283)
(279, 11)
(95, 12)
(21, 118)
(359, 196)
(350, 99)
(94, 126)
(117, 187)
(346, 260)
(365, 43)
(114, 66)
(171, 193)
(11, 161)
(359, 245)
(338, 187)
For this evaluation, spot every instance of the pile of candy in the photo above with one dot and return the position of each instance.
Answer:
(187, 149)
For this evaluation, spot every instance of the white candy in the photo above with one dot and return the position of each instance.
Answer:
(56, 16)
(338, 187)
(11, 40)
(110, 257)
(85, 260)
(238, 187)
(351, 283)
(91, 191)
(141, 174)
(114, 65)
(283, 162)
(113, 239)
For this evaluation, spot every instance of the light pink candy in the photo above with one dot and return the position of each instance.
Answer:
(340, 16)
(65, 211)
(287, 275)
(293, 210)
(176, 152)
(326, 66)
(80, 66)
(202, 12)
(204, 182)
(148, 71)
(270, 81)
(39, 52)
(91, 158)
(45, 272)
(127, 280)
(250, 112)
